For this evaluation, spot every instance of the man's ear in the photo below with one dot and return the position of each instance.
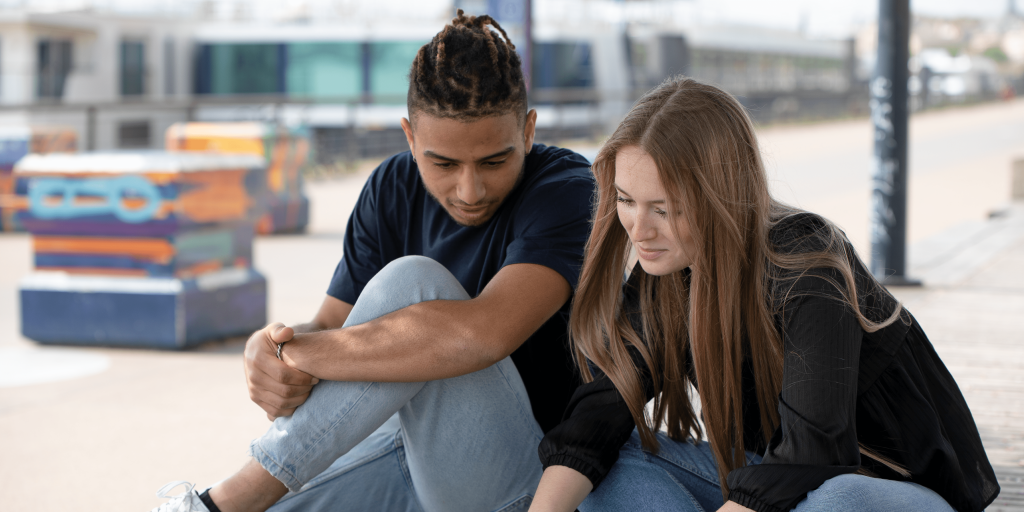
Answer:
(530, 129)
(407, 128)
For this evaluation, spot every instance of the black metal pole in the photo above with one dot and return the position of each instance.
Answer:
(527, 53)
(889, 115)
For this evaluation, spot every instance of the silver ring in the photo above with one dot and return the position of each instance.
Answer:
(279, 345)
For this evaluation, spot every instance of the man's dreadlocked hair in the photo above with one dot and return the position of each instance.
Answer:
(468, 71)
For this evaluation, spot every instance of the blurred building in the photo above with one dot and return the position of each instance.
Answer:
(121, 79)
(118, 80)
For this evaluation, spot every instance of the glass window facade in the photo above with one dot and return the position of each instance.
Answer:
(53, 63)
(133, 68)
(389, 70)
(241, 69)
(325, 70)
(562, 65)
(339, 70)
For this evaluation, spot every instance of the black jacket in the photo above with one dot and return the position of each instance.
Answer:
(887, 390)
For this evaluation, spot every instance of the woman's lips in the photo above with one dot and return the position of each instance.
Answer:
(650, 254)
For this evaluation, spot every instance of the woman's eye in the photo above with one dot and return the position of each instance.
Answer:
(625, 201)
(660, 212)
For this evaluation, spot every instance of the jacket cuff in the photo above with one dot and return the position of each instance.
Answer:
(581, 466)
(751, 502)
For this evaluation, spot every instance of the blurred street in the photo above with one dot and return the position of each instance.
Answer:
(111, 426)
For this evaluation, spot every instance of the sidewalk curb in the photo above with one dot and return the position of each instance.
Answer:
(955, 254)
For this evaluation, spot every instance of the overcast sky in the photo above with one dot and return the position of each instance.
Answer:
(827, 18)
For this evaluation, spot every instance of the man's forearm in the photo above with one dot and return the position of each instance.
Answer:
(426, 341)
(435, 339)
(307, 328)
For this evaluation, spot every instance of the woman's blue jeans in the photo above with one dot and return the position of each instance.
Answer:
(464, 443)
(683, 477)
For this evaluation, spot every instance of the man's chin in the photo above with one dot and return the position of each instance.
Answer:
(470, 223)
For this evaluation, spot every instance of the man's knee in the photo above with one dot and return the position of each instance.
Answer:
(417, 277)
(412, 267)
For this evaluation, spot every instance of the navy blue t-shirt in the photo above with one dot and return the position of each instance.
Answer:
(545, 220)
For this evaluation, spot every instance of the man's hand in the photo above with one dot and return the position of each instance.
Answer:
(274, 386)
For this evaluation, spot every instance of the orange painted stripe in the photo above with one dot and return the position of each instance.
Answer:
(155, 249)
(198, 268)
(14, 202)
(124, 272)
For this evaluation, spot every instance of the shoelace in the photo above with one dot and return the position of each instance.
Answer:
(178, 503)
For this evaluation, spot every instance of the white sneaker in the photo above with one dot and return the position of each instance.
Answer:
(187, 501)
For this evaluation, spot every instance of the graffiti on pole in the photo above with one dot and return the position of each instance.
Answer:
(885, 165)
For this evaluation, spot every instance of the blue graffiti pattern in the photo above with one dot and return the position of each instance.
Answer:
(111, 189)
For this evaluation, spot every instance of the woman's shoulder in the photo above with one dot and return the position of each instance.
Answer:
(802, 232)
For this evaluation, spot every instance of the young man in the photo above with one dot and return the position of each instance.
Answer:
(448, 308)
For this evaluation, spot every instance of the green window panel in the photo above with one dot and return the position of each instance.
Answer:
(389, 70)
(325, 70)
(244, 69)
(133, 68)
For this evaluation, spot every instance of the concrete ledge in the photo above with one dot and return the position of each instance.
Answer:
(955, 254)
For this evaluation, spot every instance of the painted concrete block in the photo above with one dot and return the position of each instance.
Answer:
(169, 313)
(15, 143)
(286, 151)
(142, 248)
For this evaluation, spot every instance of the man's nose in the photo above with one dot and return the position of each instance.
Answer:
(470, 188)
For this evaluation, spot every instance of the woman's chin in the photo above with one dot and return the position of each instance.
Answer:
(661, 268)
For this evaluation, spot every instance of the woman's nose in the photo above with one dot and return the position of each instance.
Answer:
(643, 229)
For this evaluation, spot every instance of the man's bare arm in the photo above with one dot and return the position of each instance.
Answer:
(436, 339)
(274, 386)
(332, 315)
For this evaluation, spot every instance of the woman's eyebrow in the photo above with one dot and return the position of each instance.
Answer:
(656, 201)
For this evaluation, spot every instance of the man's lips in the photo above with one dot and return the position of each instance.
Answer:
(471, 213)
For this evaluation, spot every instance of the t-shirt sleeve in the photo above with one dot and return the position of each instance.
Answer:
(362, 258)
(817, 438)
(552, 226)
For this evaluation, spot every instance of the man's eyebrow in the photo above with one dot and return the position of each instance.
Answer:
(659, 201)
(503, 152)
(436, 156)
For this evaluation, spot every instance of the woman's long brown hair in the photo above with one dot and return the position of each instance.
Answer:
(708, 160)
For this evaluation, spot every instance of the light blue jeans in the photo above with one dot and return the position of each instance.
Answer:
(683, 477)
(464, 443)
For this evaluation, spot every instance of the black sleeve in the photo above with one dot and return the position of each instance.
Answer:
(596, 424)
(817, 438)
(597, 421)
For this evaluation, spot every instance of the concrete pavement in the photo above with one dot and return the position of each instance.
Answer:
(124, 422)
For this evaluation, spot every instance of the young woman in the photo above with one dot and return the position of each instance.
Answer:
(819, 391)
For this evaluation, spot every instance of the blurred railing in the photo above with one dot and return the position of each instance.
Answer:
(346, 130)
